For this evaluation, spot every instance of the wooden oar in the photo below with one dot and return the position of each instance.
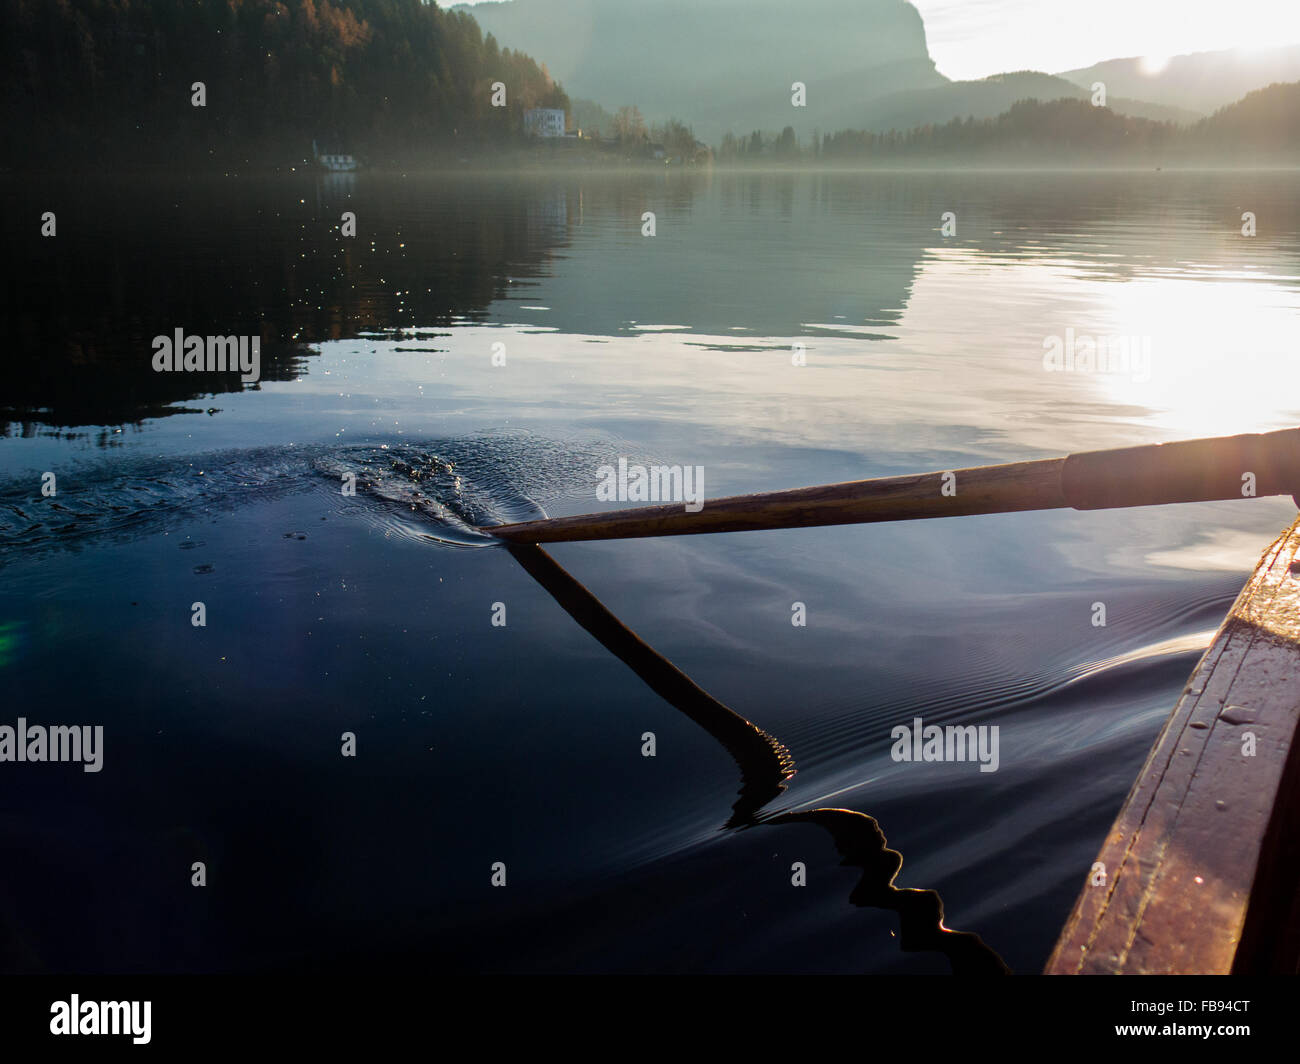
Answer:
(765, 764)
(1229, 467)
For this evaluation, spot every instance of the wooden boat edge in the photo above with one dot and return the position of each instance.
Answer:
(1197, 874)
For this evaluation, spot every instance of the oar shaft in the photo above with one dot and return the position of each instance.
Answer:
(1190, 471)
(988, 489)
(1221, 467)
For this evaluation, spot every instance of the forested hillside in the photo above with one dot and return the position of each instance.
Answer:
(112, 80)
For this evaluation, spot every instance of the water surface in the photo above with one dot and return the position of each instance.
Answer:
(521, 743)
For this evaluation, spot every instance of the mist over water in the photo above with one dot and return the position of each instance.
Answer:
(521, 743)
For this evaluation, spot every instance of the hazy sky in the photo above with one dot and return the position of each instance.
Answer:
(974, 38)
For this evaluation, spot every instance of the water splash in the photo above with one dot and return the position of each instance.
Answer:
(440, 491)
(427, 495)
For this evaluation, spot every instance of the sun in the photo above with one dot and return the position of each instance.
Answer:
(1151, 65)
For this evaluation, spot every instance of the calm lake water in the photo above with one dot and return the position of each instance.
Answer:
(522, 743)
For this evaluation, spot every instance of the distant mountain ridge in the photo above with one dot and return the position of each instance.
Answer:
(1200, 81)
(872, 71)
(1262, 129)
(990, 97)
(725, 64)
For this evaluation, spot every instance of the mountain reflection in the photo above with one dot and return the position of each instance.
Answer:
(227, 256)
(133, 259)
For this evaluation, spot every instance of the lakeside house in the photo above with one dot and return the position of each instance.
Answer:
(545, 122)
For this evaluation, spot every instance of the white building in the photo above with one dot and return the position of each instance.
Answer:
(544, 122)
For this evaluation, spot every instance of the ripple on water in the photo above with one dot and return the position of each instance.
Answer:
(424, 494)
(440, 491)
